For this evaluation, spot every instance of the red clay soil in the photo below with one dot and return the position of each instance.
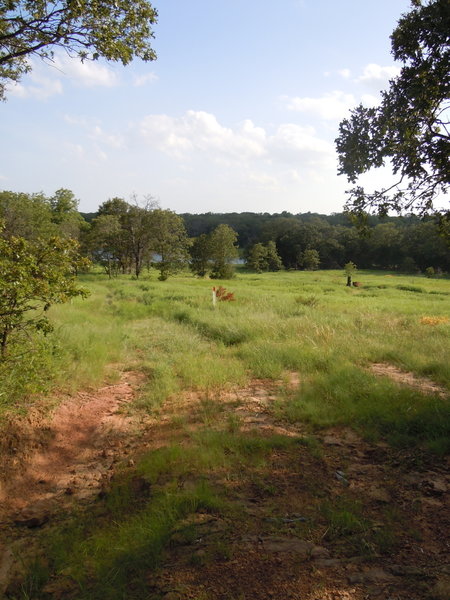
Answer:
(280, 544)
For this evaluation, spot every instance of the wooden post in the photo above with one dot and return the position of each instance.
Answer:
(214, 297)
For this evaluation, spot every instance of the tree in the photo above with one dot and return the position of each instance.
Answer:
(25, 215)
(310, 259)
(273, 259)
(64, 207)
(33, 276)
(264, 257)
(102, 242)
(108, 234)
(200, 252)
(257, 258)
(410, 127)
(223, 251)
(169, 241)
(117, 30)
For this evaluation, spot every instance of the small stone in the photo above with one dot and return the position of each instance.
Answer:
(328, 562)
(172, 596)
(319, 552)
(379, 495)
(32, 522)
(437, 486)
(279, 544)
(330, 440)
(407, 571)
(340, 476)
(375, 575)
(441, 589)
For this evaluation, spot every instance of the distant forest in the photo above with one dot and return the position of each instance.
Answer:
(126, 237)
(407, 244)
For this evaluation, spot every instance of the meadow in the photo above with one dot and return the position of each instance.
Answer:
(307, 323)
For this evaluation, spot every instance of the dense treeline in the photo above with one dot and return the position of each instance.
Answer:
(127, 237)
(406, 244)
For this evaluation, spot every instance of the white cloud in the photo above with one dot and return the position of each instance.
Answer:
(200, 131)
(297, 145)
(345, 73)
(140, 80)
(263, 179)
(370, 100)
(87, 73)
(40, 87)
(331, 106)
(114, 141)
(76, 150)
(246, 146)
(377, 77)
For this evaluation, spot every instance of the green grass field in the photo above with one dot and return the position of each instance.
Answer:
(308, 323)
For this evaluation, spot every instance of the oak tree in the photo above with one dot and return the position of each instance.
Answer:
(410, 128)
(117, 30)
(33, 276)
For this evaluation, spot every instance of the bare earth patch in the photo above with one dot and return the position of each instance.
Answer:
(279, 542)
(409, 379)
(83, 433)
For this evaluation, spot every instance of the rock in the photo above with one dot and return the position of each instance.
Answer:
(34, 516)
(441, 589)
(407, 571)
(330, 440)
(328, 563)
(375, 575)
(340, 476)
(437, 486)
(172, 596)
(32, 522)
(319, 552)
(140, 486)
(294, 545)
(379, 495)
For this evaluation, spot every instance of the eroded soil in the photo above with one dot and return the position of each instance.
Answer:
(290, 536)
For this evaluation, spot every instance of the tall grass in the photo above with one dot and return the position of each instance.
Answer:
(309, 323)
(286, 321)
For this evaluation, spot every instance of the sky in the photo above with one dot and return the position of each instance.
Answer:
(238, 113)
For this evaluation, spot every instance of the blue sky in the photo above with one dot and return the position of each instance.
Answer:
(238, 113)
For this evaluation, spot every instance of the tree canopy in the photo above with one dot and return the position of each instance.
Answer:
(410, 128)
(117, 30)
(33, 276)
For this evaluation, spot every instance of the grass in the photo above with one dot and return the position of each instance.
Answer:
(308, 323)
(287, 321)
(105, 553)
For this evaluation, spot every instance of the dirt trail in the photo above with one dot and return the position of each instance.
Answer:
(283, 548)
(424, 385)
(86, 430)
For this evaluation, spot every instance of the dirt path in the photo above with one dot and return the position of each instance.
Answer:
(284, 546)
(86, 432)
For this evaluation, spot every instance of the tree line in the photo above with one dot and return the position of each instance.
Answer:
(46, 241)
(311, 240)
(129, 236)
